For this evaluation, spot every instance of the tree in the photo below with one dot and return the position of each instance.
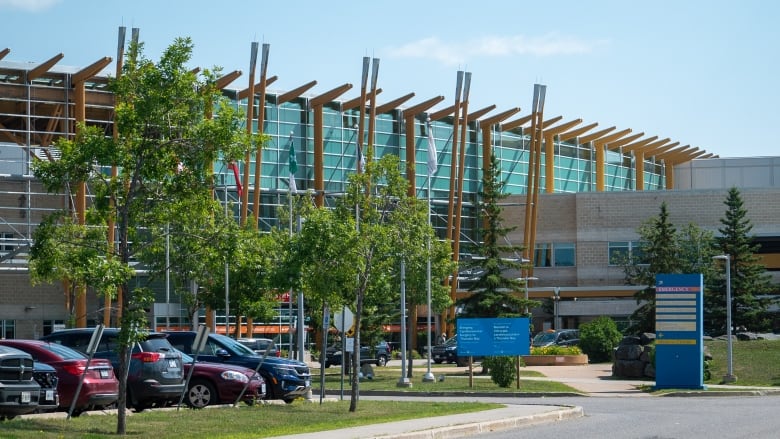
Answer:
(162, 156)
(749, 280)
(492, 293)
(351, 255)
(664, 250)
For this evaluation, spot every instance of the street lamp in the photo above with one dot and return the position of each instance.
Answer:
(556, 312)
(729, 377)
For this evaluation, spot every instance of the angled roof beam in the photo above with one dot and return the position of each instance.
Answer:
(674, 154)
(597, 135)
(243, 94)
(354, 102)
(42, 68)
(612, 137)
(4, 52)
(91, 70)
(650, 146)
(395, 103)
(442, 113)
(224, 80)
(492, 120)
(554, 131)
(626, 140)
(330, 95)
(575, 133)
(479, 113)
(639, 144)
(294, 93)
(517, 123)
(421, 107)
(660, 150)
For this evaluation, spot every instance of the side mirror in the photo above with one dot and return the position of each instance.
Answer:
(222, 354)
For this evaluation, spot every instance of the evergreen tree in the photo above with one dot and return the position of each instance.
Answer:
(493, 294)
(748, 277)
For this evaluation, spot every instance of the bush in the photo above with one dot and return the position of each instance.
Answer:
(556, 350)
(503, 371)
(599, 338)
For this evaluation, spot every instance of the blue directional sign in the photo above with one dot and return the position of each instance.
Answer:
(679, 329)
(493, 336)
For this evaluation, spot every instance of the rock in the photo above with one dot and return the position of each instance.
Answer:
(628, 352)
(628, 368)
(649, 370)
(630, 340)
(746, 336)
(646, 338)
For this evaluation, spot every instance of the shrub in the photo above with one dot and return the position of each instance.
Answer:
(556, 350)
(599, 338)
(503, 371)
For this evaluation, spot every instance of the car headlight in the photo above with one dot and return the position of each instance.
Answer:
(232, 375)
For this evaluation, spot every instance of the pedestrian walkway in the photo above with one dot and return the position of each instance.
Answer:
(592, 379)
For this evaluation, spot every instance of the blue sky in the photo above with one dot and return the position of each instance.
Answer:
(703, 73)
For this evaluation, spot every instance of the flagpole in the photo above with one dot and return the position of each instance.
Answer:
(293, 168)
(428, 377)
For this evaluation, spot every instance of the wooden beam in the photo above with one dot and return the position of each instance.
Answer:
(652, 145)
(554, 131)
(243, 94)
(597, 135)
(655, 152)
(330, 95)
(12, 137)
(575, 133)
(639, 144)
(612, 137)
(4, 52)
(354, 102)
(671, 155)
(294, 93)
(626, 140)
(421, 107)
(442, 113)
(42, 68)
(395, 103)
(223, 81)
(90, 71)
(498, 118)
(512, 124)
(479, 113)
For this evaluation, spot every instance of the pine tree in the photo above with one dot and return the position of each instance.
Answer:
(493, 294)
(748, 277)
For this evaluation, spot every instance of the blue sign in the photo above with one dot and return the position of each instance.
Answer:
(679, 329)
(493, 336)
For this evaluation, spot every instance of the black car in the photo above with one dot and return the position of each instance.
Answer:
(285, 379)
(379, 357)
(155, 374)
(563, 337)
(447, 352)
(19, 392)
(46, 377)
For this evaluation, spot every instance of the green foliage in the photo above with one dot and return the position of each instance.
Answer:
(493, 294)
(665, 250)
(556, 350)
(749, 279)
(503, 370)
(598, 338)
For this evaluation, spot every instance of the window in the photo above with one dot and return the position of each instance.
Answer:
(556, 254)
(621, 252)
(7, 241)
(8, 329)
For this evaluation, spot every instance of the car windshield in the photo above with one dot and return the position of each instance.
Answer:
(544, 337)
(234, 345)
(64, 352)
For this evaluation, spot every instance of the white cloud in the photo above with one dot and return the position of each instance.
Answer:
(452, 53)
(28, 5)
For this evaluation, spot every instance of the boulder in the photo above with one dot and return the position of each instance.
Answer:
(628, 368)
(628, 352)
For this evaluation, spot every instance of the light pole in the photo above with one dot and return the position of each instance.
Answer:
(525, 288)
(556, 299)
(729, 377)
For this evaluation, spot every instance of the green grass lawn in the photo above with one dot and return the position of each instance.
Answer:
(756, 362)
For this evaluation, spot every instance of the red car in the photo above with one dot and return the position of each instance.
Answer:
(216, 383)
(100, 387)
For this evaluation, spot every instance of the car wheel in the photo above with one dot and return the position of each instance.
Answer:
(437, 361)
(381, 360)
(200, 394)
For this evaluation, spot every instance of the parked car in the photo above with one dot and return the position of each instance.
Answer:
(379, 357)
(213, 383)
(285, 379)
(100, 388)
(447, 352)
(563, 337)
(261, 346)
(19, 393)
(46, 377)
(155, 374)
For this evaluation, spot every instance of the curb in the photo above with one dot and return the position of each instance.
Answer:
(465, 393)
(475, 428)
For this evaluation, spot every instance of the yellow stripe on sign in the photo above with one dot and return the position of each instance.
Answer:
(680, 341)
(675, 326)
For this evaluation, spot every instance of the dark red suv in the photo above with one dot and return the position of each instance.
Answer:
(100, 387)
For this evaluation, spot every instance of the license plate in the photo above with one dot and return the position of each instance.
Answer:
(25, 397)
(172, 363)
(308, 383)
(262, 388)
(50, 395)
(103, 373)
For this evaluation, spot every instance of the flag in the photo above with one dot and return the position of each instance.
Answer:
(234, 166)
(361, 158)
(293, 168)
(432, 156)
